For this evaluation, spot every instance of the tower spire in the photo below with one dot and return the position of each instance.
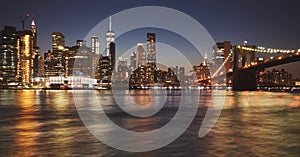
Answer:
(32, 22)
(205, 59)
(109, 23)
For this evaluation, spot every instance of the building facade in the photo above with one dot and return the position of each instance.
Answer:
(26, 56)
(110, 37)
(10, 57)
(151, 49)
(95, 45)
(141, 55)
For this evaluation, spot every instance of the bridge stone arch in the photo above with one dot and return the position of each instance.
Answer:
(244, 79)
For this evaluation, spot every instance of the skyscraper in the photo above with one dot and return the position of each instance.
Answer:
(34, 34)
(221, 52)
(55, 59)
(26, 56)
(141, 55)
(104, 71)
(36, 60)
(112, 55)
(110, 37)
(9, 57)
(81, 43)
(58, 41)
(133, 61)
(122, 69)
(181, 73)
(95, 45)
(122, 64)
(151, 52)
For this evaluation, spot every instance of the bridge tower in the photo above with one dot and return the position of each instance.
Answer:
(244, 78)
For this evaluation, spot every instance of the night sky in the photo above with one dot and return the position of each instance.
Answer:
(267, 23)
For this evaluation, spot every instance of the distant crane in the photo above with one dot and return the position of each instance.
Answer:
(23, 20)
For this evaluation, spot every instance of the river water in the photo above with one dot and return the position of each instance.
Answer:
(46, 123)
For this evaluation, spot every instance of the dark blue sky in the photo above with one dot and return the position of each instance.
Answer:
(268, 23)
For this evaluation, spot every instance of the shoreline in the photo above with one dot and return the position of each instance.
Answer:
(265, 89)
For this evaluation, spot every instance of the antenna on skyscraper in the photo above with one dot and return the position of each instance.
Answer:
(23, 20)
(109, 23)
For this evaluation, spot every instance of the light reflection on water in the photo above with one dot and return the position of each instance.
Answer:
(34, 123)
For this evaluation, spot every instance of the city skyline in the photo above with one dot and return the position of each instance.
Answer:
(149, 78)
(269, 24)
(63, 53)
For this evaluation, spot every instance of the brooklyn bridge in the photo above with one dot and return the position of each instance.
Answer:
(246, 65)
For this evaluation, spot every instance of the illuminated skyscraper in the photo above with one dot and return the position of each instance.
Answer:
(122, 69)
(110, 37)
(95, 45)
(151, 52)
(34, 33)
(55, 59)
(141, 55)
(38, 61)
(26, 56)
(10, 73)
(58, 41)
(203, 74)
(221, 52)
(104, 71)
(133, 61)
(81, 43)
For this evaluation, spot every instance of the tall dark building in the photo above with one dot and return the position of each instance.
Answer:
(81, 43)
(10, 57)
(112, 55)
(55, 61)
(104, 69)
(221, 52)
(110, 37)
(151, 50)
(79, 60)
(36, 60)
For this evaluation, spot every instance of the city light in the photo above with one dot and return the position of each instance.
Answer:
(266, 50)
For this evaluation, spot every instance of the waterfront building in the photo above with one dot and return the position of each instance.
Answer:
(10, 57)
(26, 47)
(203, 74)
(133, 61)
(151, 50)
(141, 55)
(221, 51)
(110, 37)
(112, 55)
(275, 78)
(95, 45)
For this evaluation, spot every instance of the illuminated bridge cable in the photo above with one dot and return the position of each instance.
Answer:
(267, 50)
(225, 61)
